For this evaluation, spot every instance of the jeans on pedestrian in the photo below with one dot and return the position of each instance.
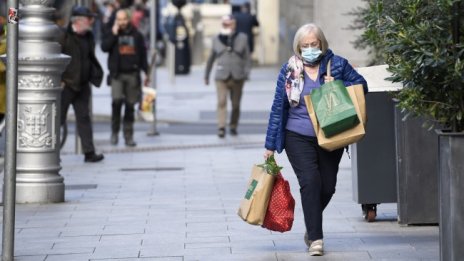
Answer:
(316, 170)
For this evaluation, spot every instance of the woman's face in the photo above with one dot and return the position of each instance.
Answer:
(310, 40)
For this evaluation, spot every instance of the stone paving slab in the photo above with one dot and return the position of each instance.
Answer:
(189, 213)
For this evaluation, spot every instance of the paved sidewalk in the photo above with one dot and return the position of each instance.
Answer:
(179, 204)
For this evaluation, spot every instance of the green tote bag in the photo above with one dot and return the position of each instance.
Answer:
(334, 109)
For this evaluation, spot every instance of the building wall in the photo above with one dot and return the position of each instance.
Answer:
(332, 16)
(292, 14)
(279, 20)
(267, 34)
(334, 19)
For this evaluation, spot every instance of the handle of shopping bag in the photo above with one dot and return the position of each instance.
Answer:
(329, 73)
(270, 166)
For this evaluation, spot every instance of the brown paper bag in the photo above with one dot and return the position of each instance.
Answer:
(349, 136)
(253, 206)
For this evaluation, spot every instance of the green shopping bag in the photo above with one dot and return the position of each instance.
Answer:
(334, 109)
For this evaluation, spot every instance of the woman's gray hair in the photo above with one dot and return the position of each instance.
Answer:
(303, 31)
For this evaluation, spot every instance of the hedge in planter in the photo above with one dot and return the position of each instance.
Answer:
(417, 41)
(422, 42)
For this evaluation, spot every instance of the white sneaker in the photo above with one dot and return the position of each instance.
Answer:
(316, 248)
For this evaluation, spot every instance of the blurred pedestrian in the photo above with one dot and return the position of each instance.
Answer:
(141, 20)
(118, 5)
(245, 24)
(84, 69)
(127, 57)
(236, 5)
(290, 127)
(230, 49)
(109, 7)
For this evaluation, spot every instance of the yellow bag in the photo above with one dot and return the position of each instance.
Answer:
(349, 136)
(146, 105)
(253, 206)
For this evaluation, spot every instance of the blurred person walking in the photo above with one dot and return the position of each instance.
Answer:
(230, 49)
(140, 19)
(84, 69)
(127, 57)
(290, 127)
(116, 6)
(245, 23)
(236, 5)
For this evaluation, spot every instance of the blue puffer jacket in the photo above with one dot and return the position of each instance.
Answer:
(340, 70)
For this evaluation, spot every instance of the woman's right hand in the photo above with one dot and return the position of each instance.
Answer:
(268, 153)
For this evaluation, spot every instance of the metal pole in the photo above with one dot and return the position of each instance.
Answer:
(77, 139)
(153, 17)
(171, 55)
(11, 131)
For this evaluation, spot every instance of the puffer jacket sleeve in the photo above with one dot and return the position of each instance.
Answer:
(275, 117)
(351, 76)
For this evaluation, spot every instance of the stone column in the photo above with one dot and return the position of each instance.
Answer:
(40, 65)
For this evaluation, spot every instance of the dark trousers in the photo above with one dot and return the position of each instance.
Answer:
(125, 90)
(80, 102)
(316, 170)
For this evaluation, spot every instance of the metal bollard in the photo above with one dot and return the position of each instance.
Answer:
(171, 61)
(40, 65)
(153, 8)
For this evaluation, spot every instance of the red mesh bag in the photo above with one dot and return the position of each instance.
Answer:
(279, 215)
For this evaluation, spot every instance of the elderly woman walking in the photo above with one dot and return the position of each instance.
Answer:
(290, 127)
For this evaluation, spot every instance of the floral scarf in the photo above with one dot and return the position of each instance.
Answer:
(294, 80)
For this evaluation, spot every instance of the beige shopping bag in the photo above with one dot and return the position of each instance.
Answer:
(349, 136)
(253, 206)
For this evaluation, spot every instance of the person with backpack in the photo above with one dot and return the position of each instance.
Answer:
(231, 51)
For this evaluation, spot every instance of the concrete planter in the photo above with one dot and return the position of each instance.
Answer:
(416, 167)
(451, 187)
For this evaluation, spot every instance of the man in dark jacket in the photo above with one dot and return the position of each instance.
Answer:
(245, 23)
(127, 57)
(78, 42)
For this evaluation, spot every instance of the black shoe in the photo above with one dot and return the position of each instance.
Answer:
(221, 133)
(92, 157)
(114, 139)
(233, 132)
(130, 142)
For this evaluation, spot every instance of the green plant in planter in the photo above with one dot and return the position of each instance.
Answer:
(367, 18)
(417, 41)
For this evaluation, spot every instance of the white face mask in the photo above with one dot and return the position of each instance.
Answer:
(310, 54)
(226, 31)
